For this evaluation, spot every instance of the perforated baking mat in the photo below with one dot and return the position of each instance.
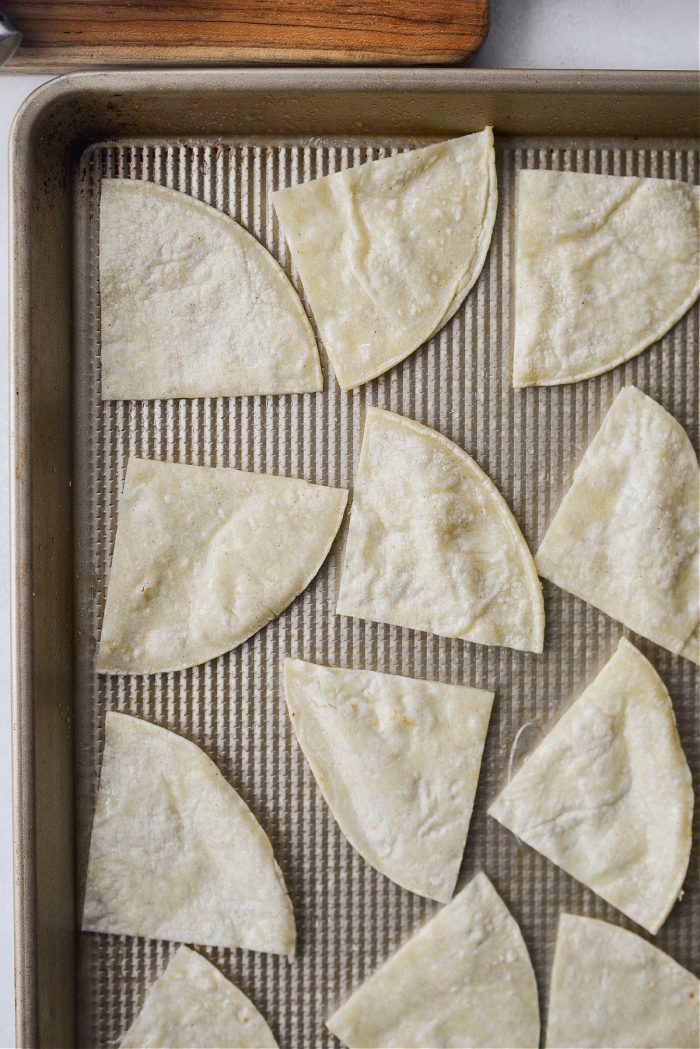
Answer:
(349, 917)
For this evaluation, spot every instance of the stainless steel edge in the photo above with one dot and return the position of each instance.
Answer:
(546, 88)
(41, 575)
(23, 824)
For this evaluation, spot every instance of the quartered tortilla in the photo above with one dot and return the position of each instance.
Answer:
(611, 988)
(625, 537)
(604, 266)
(175, 853)
(463, 981)
(398, 762)
(192, 305)
(388, 251)
(607, 795)
(204, 557)
(432, 544)
(192, 1004)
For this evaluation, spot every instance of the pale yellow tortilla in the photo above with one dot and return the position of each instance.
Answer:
(398, 762)
(604, 266)
(464, 980)
(432, 543)
(175, 853)
(204, 557)
(611, 988)
(191, 305)
(388, 251)
(192, 1006)
(607, 795)
(625, 537)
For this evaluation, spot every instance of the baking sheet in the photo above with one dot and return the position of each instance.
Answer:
(349, 917)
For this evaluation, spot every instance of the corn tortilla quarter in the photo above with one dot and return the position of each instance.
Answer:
(206, 556)
(192, 1004)
(465, 979)
(625, 537)
(610, 987)
(607, 795)
(605, 265)
(192, 305)
(397, 761)
(388, 251)
(432, 544)
(175, 852)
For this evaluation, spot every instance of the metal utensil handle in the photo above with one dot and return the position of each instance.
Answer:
(10, 39)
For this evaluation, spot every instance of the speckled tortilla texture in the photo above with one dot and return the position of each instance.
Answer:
(175, 853)
(611, 988)
(625, 537)
(204, 557)
(604, 266)
(192, 305)
(464, 981)
(608, 796)
(388, 251)
(432, 543)
(193, 1005)
(397, 761)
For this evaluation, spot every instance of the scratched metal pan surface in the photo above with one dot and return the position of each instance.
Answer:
(349, 917)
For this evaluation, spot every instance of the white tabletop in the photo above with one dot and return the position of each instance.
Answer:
(558, 34)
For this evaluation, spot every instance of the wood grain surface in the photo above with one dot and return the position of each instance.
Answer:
(65, 34)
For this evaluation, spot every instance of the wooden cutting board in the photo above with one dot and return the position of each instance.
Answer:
(68, 34)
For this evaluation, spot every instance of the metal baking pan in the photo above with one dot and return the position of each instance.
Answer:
(229, 137)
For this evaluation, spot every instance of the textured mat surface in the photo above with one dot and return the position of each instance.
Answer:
(349, 917)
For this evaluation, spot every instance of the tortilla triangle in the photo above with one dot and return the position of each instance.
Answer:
(607, 795)
(610, 987)
(204, 557)
(388, 251)
(432, 543)
(192, 1004)
(625, 537)
(175, 853)
(397, 761)
(465, 979)
(604, 266)
(192, 305)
